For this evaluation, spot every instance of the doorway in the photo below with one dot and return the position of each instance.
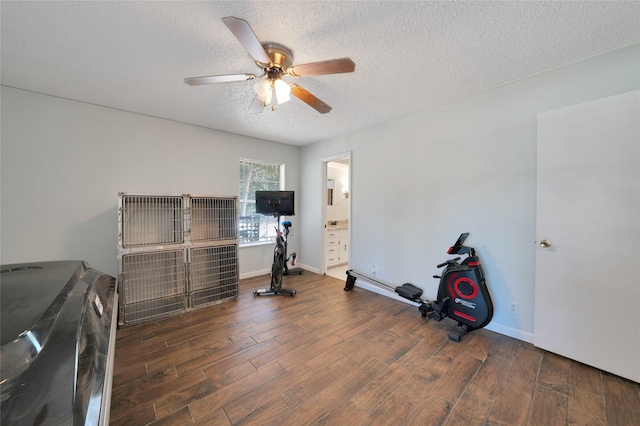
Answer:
(336, 214)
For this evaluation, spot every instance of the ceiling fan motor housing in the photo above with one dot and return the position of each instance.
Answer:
(281, 59)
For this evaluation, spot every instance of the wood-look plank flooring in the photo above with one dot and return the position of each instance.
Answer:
(330, 357)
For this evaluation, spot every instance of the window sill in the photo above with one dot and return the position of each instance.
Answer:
(261, 243)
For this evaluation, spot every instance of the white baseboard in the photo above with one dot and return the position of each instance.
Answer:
(252, 274)
(307, 268)
(525, 336)
(365, 285)
(255, 273)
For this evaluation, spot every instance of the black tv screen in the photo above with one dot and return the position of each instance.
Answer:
(275, 203)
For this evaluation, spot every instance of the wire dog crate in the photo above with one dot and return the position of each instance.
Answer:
(175, 252)
(148, 220)
(213, 219)
(213, 275)
(152, 284)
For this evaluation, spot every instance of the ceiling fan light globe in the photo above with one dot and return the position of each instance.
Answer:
(282, 90)
(263, 90)
(282, 87)
(267, 98)
(282, 98)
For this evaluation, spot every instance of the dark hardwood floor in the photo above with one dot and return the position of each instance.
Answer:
(330, 357)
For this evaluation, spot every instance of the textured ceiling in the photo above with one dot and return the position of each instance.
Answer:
(409, 56)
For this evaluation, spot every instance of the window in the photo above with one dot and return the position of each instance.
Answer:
(257, 176)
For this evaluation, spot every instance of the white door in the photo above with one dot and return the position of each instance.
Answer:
(588, 279)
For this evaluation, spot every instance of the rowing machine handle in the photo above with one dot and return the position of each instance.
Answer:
(448, 262)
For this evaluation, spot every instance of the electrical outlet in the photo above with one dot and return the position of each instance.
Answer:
(513, 307)
(373, 269)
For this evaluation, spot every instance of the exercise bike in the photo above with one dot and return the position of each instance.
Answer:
(462, 293)
(281, 201)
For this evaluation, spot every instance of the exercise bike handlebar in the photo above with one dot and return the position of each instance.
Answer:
(448, 262)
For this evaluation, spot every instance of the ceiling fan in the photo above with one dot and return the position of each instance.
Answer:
(276, 62)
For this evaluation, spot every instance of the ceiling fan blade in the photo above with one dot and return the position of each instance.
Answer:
(192, 81)
(256, 106)
(243, 32)
(332, 66)
(309, 99)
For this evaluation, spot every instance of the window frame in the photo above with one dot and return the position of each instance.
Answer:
(251, 223)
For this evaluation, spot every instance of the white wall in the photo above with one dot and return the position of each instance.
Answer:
(64, 162)
(469, 166)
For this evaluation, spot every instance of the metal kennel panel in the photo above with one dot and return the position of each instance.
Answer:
(213, 274)
(152, 284)
(150, 220)
(213, 218)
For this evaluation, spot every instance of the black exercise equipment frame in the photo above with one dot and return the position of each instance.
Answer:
(462, 292)
(279, 266)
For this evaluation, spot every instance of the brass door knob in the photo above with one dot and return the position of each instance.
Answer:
(545, 243)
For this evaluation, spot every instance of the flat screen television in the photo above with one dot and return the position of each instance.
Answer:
(275, 203)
